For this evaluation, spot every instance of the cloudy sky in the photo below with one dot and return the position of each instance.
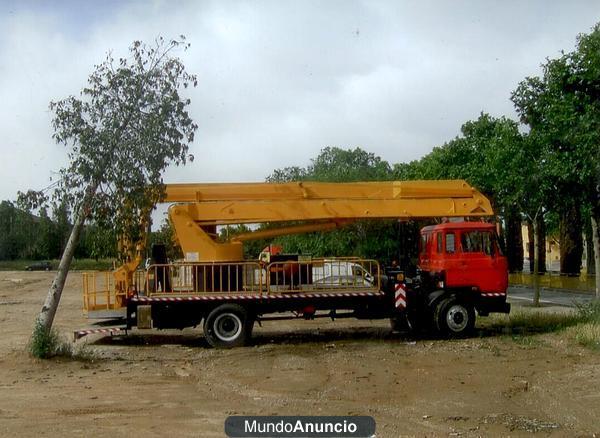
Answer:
(279, 80)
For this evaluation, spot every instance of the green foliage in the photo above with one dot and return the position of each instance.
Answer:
(485, 154)
(25, 236)
(45, 344)
(562, 109)
(129, 123)
(334, 164)
(589, 312)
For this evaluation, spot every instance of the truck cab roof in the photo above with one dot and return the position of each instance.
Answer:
(459, 226)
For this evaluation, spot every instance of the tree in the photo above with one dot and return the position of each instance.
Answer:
(9, 244)
(62, 223)
(571, 240)
(129, 123)
(335, 164)
(562, 109)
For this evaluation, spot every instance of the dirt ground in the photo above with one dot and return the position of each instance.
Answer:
(172, 384)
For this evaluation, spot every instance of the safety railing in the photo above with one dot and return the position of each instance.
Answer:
(99, 292)
(253, 277)
(191, 278)
(322, 275)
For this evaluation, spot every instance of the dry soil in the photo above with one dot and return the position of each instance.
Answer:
(172, 384)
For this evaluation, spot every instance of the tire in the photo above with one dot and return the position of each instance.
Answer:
(227, 326)
(453, 318)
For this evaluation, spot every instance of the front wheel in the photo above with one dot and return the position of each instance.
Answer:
(454, 318)
(227, 326)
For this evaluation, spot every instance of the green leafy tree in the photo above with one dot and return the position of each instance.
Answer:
(562, 109)
(62, 226)
(9, 244)
(45, 235)
(128, 124)
(335, 164)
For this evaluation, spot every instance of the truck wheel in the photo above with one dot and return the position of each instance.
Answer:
(227, 326)
(454, 318)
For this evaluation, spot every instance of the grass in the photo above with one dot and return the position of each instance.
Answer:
(581, 325)
(49, 344)
(587, 334)
(46, 343)
(77, 265)
(527, 341)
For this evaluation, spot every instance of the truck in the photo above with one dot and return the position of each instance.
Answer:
(461, 270)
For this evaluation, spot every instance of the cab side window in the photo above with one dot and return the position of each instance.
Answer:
(438, 238)
(450, 243)
(423, 245)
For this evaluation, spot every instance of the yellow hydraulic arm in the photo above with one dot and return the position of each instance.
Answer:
(199, 208)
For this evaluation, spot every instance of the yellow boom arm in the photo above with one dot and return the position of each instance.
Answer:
(199, 207)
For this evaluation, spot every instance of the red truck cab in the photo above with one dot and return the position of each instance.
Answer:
(464, 255)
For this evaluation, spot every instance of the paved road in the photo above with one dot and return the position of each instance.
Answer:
(555, 297)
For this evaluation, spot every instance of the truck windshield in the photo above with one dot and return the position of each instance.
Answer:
(477, 241)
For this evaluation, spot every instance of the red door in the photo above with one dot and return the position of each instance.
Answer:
(477, 262)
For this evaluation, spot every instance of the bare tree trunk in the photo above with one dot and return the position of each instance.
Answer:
(596, 239)
(46, 316)
(536, 264)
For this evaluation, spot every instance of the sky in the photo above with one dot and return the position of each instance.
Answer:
(280, 80)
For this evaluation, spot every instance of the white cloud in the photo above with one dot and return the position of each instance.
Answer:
(280, 80)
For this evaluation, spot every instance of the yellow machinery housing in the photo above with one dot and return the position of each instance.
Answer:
(199, 208)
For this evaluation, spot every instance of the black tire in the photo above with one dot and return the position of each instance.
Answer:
(453, 318)
(227, 326)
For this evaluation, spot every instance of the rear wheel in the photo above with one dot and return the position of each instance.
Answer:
(454, 318)
(228, 325)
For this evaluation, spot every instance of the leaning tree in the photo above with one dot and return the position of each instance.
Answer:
(127, 125)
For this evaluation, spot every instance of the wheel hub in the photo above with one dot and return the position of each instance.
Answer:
(457, 318)
(227, 326)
